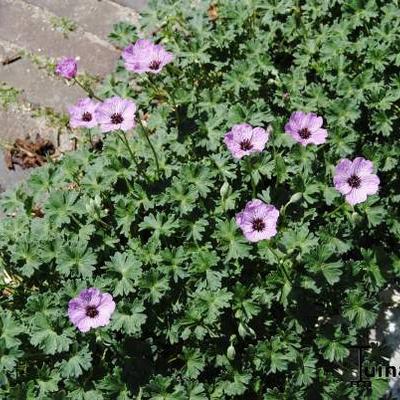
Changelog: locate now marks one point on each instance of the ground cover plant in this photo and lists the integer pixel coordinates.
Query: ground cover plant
(229, 235)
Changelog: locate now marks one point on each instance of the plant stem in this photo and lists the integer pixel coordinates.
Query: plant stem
(124, 140)
(170, 96)
(151, 146)
(75, 220)
(280, 266)
(335, 210)
(90, 137)
(249, 168)
(88, 90)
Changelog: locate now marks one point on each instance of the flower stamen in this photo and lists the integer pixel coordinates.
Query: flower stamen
(155, 64)
(305, 133)
(91, 311)
(246, 145)
(354, 181)
(258, 224)
(86, 116)
(116, 119)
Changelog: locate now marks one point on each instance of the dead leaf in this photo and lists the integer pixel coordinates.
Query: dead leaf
(213, 12)
(29, 154)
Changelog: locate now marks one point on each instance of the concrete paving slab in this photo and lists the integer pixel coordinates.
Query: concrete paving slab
(137, 5)
(29, 27)
(97, 17)
(37, 87)
(10, 178)
(19, 123)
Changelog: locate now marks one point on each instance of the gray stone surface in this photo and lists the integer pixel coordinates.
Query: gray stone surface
(19, 123)
(97, 17)
(6, 52)
(30, 28)
(137, 5)
(37, 87)
(10, 178)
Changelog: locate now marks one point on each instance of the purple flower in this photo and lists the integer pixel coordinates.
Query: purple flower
(91, 309)
(116, 113)
(305, 128)
(258, 220)
(83, 114)
(67, 68)
(145, 56)
(355, 179)
(243, 140)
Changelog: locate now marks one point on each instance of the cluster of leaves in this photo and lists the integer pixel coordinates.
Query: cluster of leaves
(202, 313)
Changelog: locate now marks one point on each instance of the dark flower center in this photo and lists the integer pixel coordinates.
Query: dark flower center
(116, 118)
(354, 181)
(304, 133)
(155, 64)
(246, 145)
(86, 116)
(91, 311)
(258, 224)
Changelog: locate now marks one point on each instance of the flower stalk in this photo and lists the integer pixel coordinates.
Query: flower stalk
(146, 135)
(87, 89)
(124, 140)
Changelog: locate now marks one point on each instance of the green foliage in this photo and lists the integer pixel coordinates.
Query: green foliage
(201, 312)
(8, 95)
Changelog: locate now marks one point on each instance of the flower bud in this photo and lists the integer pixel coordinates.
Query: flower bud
(67, 68)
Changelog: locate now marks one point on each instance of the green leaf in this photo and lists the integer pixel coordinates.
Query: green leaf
(46, 338)
(195, 362)
(9, 329)
(129, 319)
(76, 257)
(76, 364)
(128, 271)
(231, 240)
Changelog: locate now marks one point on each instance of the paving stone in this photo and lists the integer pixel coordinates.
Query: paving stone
(137, 5)
(97, 17)
(10, 178)
(29, 27)
(7, 53)
(18, 122)
(38, 88)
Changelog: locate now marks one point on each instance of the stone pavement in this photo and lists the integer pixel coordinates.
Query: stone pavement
(47, 29)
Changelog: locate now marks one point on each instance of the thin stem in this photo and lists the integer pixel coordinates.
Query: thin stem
(170, 96)
(75, 220)
(253, 185)
(151, 146)
(335, 210)
(280, 266)
(103, 223)
(154, 86)
(175, 107)
(88, 90)
(285, 273)
(249, 169)
(126, 143)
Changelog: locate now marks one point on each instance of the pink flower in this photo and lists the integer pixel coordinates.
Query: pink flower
(116, 113)
(67, 67)
(91, 309)
(83, 114)
(243, 140)
(355, 179)
(258, 220)
(145, 56)
(305, 128)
